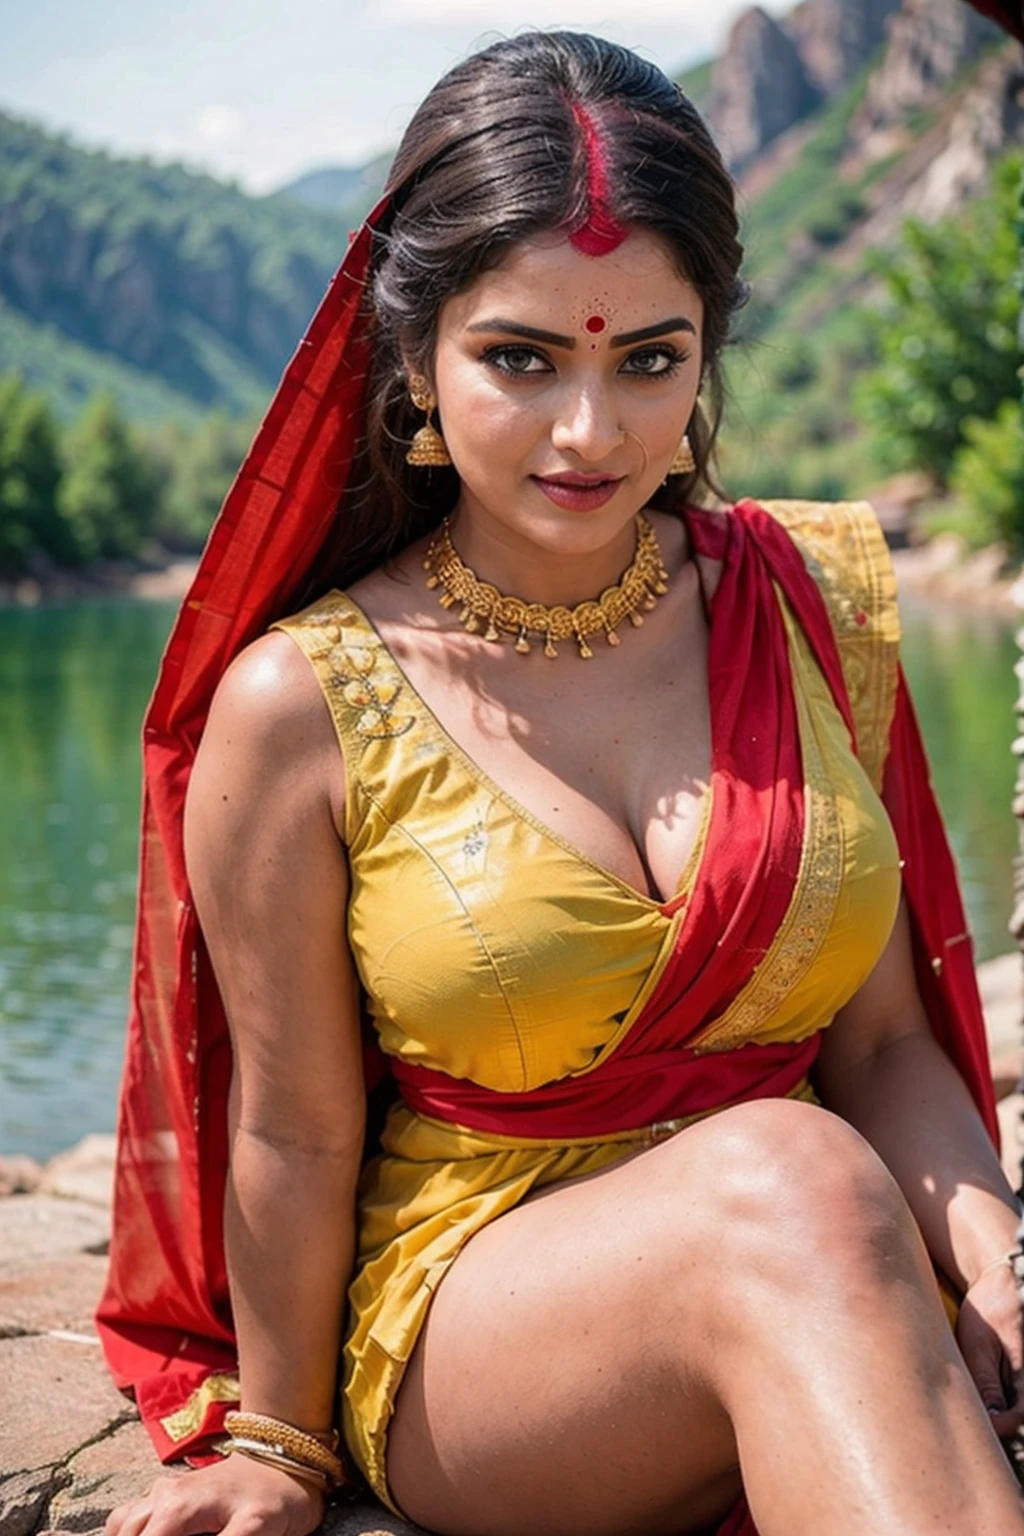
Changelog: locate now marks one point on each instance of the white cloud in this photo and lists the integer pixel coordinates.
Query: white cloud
(685, 16)
(219, 125)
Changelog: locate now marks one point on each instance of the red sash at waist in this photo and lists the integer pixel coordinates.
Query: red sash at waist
(624, 1094)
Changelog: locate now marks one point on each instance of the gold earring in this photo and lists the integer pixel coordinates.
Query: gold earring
(427, 449)
(684, 462)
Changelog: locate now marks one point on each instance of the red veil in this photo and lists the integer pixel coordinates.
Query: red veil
(165, 1317)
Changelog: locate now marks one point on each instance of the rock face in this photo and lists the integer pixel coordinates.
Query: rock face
(773, 73)
(989, 122)
(835, 38)
(930, 41)
(759, 88)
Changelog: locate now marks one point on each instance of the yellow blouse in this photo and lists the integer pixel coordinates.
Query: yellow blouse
(491, 949)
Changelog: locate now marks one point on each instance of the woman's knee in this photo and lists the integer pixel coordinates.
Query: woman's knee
(794, 1192)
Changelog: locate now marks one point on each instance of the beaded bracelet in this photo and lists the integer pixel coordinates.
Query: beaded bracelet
(285, 1440)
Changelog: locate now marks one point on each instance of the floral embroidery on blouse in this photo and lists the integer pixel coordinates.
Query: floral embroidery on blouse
(357, 676)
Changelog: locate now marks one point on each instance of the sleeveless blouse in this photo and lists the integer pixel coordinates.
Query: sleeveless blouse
(490, 949)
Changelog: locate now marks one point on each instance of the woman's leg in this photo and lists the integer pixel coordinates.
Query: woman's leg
(751, 1294)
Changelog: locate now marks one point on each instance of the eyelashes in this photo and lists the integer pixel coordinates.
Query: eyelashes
(517, 361)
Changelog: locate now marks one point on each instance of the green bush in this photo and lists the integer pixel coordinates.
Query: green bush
(100, 489)
(947, 332)
(988, 476)
(197, 467)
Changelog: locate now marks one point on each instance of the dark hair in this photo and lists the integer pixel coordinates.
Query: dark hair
(496, 153)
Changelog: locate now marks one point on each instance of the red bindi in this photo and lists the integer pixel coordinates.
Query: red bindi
(595, 324)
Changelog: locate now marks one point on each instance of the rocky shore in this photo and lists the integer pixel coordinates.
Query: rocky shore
(71, 1447)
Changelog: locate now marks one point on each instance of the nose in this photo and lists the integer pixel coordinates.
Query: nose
(586, 423)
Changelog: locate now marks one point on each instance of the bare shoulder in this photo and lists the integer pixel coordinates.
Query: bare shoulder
(269, 726)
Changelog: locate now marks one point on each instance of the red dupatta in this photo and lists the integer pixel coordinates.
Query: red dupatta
(165, 1316)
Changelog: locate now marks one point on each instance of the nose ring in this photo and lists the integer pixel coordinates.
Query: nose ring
(642, 446)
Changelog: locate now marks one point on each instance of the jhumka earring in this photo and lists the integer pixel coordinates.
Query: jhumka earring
(684, 462)
(427, 449)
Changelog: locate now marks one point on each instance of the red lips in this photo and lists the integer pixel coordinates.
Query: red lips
(576, 492)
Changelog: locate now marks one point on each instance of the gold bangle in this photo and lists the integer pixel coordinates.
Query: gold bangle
(286, 1440)
(257, 1452)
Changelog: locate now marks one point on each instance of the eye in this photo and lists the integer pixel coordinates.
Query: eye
(654, 362)
(517, 361)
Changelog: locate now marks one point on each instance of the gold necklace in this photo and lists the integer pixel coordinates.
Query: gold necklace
(639, 587)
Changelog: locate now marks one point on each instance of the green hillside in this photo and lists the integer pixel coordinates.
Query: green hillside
(696, 82)
(793, 427)
(177, 294)
(174, 290)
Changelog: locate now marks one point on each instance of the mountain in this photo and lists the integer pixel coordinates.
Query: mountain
(174, 289)
(775, 72)
(349, 191)
(179, 292)
(915, 133)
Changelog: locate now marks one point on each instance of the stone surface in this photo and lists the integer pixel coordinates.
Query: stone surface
(24, 1497)
(111, 1471)
(19, 1175)
(1011, 1109)
(1006, 1072)
(55, 1397)
(1001, 983)
(122, 1466)
(59, 1293)
(38, 1227)
(367, 1519)
(84, 1172)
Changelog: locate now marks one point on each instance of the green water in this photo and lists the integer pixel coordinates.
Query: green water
(73, 685)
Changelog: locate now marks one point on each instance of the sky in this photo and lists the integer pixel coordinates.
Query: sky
(260, 91)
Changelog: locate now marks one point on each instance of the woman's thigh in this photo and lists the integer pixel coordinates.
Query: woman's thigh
(570, 1375)
(552, 1388)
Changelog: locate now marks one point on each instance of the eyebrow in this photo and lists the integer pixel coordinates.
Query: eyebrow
(553, 339)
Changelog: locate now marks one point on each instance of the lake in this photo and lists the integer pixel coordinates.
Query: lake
(74, 681)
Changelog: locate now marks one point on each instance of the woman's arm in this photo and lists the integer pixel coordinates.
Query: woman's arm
(269, 875)
(270, 881)
(882, 1070)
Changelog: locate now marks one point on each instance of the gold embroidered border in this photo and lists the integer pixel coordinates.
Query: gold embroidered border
(190, 1417)
(361, 684)
(812, 906)
(845, 551)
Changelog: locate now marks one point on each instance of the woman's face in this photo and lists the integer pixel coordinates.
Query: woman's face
(564, 385)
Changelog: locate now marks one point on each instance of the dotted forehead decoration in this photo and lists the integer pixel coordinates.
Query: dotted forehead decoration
(598, 232)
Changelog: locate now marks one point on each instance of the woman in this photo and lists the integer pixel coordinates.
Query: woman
(644, 1234)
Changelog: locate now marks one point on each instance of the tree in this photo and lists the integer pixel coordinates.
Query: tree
(198, 467)
(988, 475)
(110, 494)
(30, 473)
(947, 330)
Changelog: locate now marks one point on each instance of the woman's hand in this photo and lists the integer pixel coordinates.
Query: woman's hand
(237, 1496)
(989, 1333)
